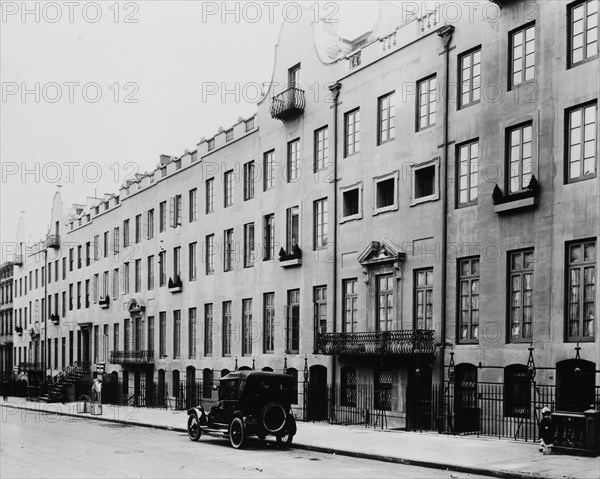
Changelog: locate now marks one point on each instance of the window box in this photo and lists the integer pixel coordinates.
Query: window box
(175, 286)
(19, 330)
(528, 198)
(104, 302)
(292, 259)
(34, 334)
(55, 318)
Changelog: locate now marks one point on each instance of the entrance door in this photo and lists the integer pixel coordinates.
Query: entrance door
(419, 412)
(465, 399)
(138, 400)
(317, 394)
(85, 348)
(161, 390)
(575, 385)
(190, 387)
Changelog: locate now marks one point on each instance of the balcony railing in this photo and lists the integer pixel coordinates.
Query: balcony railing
(132, 357)
(104, 302)
(577, 432)
(55, 318)
(377, 343)
(53, 241)
(175, 285)
(29, 366)
(288, 104)
(527, 198)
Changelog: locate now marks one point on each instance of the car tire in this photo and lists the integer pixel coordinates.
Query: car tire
(237, 433)
(194, 429)
(285, 440)
(274, 417)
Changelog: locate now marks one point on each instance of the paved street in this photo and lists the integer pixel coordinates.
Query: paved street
(59, 446)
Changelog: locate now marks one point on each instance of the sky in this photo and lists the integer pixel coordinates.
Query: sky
(94, 91)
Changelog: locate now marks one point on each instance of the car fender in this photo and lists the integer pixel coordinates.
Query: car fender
(200, 414)
(290, 426)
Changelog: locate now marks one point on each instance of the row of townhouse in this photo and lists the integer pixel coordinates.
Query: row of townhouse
(414, 214)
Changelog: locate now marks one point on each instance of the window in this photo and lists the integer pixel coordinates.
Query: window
(269, 170)
(249, 179)
(210, 195)
(426, 105)
(116, 238)
(175, 211)
(294, 77)
(125, 233)
(385, 302)
(192, 333)
(151, 334)
(176, 334)
(269, 237)
(293, 231)
(211, 144)
(105, 285)
(348, 387)
(210, 254)
(207, 383)
(138, 228)
(228, 188)
(425, 183)
(227, 328)
(517, 391)
(162, 268)
(116, 338)
(269, 323)
(468, 285)
(246, 327)
(293, 322)
(176, 263)
(78, 295)
(95, 288)
(351, 202)
(162, 216)
(581, 142)
(105, 250)
(138, 275)
(96, 252)
(583, 32)
(581, 294)
(383, 390)
(423, 299)
(350, 305)
(320, 224)
(321, 151)
(228, 250)
(469, 78)
(70, 263)
(79, 262)
(150, 272)
(468, 170)
(249, 124)
(386, 112)
(385, 193)
(320, 308)
(520, 157)
(229, 135)
(208, 329)
(126, 278)
(162, 334)
(150, 224)
(249, 245)
(115, 288)
(193, 199)
(521, 294)
(522, 55)
(193, 261)
(293, 160)
(88, 257)
(351, 132)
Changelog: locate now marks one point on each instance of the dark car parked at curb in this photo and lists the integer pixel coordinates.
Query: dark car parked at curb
(251, 403)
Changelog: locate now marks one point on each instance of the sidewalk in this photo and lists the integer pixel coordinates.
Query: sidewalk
(488, 456)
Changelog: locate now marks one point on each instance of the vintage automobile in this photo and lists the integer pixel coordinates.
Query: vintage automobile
(251, 403)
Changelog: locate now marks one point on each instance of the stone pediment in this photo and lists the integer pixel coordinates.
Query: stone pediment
(379, 252)
(135, 305)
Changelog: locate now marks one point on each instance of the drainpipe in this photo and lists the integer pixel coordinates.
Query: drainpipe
(445, 33)
(335, 93)
(44, 347)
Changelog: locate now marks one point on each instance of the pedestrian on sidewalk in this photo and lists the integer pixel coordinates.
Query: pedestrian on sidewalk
(546, 431)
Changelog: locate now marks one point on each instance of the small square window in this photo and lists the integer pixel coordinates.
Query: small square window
(351, 202)
(425, 182)
(385, 193)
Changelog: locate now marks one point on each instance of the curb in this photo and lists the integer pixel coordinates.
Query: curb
(308, 447)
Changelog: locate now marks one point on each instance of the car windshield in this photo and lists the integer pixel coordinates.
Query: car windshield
(228, 389)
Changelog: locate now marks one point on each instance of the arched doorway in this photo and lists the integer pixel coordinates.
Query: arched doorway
(268, 369)
(419, 413)
(224, 372)
(161, 388)
(317, 393)
(190, 387)
(466, 411)
(575, 385)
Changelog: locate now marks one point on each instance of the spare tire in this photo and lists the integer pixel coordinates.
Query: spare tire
(274, 417)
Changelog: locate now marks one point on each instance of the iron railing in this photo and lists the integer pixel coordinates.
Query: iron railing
(376, 343)
(132, 357)
(53, 241)
(288, 103)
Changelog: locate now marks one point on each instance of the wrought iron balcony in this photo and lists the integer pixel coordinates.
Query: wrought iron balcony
(377, 343)
(29, 366)
(53, 241)
(288, 103)
(132, 357)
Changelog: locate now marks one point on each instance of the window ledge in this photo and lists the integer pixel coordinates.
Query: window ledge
(523, 203)
(345, 219)
(289, 263)
(385, 209)
(424, 199)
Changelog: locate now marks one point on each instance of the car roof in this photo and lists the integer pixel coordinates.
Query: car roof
(256, 374)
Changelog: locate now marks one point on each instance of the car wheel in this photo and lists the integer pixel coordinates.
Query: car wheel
(285, 440)
(194, 430)
(274, 417)
(237, 434)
